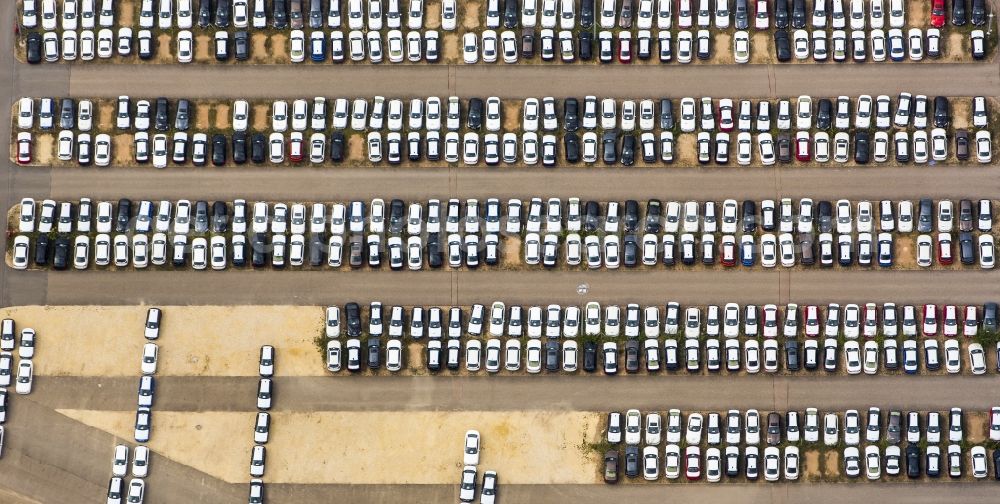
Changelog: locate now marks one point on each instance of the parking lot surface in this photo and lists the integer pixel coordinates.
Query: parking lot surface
(51, 457)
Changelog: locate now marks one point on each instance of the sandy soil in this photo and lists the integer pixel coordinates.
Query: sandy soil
(279, 48)
(976, 426)
(525, 447)
(810, 465)
(259, 50)
(916, 13)
(686, 149)
(831, 464)
(954, 47)
(204, 47)
(961, 113)
(126, 13)
(470, 14)
(722, 45)
(214, 341)
(222, 116)
(432, 16)
(356, 149)
(512, 251)
(761, 47)
(121, 153)
(906, 255)
(201, 119)
(511, 116)
(105, 119)
(45, 145)
(451, 50)
(261, 114)
(164, 51)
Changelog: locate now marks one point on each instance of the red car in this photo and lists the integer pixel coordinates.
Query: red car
(930, 320)
(726, 122)
(728, 252)
(24, 147)
(937, 13)
(624, 47)
(944, 249)
(296, 149)
(802, 146)
(692, 462)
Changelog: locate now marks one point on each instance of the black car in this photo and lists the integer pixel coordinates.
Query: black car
(60, 258)
(824, 113)
(632, 356)
(220, 217)
(824, 216)
(631, 461)
(357, 250)
(666, 114)
(958, 12)
(571, 142)
(571, 114)
(962, 145)
(586, 43)
(792, 355)
(42, 250)
(337, 144)
(528, 42)
(259, 253)
(223, 8)
(510, 13)
(861, 147)
(434, 257)
(397, 210)
(741, 14)
(589, 356)
(631, 218)
(586, 13)
(609, 146)
(373, 353)
(205, 13)
(913, 461)
(591, 216)
(182, 118)
(798, 14)
(352, 315)
(630, 251)
(474, 119)
(124, 217)
(628, 150)
(990, 320)
(782, 46)
(552, 356)
(67, 113)
(979, 19)
(996, 464)
(611, 466)
(162, 118)
(33, 48)
(942, 115)
(240, 147)
(258, 148)
(784, 148)
(200, 216)
(279, 16)
(654, 209)
(966, 248)
(241, 46)
(781, 14)
(749, 216)
(315, 13)
(925, 216)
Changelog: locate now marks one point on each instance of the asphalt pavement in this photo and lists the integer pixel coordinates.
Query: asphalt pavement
(51, 459)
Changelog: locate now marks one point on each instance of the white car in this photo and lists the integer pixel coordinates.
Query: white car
(25, 376)
(741, 47)
(185, 46)
(470, 48)
(149, 358)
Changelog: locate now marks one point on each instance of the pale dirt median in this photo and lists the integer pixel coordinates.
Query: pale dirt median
(541, 447)
(194, 340)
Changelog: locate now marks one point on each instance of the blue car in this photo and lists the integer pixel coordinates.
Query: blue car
(748, 251)
(897, 45)
(317, 46)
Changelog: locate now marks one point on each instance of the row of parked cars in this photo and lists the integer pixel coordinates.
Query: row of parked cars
(731, 443)
(470, 460)
(702, 347)
(666, 236)
(262, 424)
(724, 131)
(869, 321)
(653, 356)
(135, 489)
(877, 45)
(23, 375)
